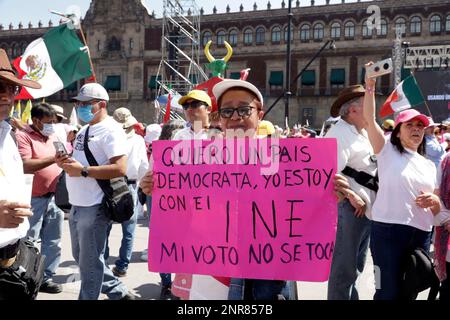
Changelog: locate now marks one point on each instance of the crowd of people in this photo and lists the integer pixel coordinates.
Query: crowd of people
(392, 186)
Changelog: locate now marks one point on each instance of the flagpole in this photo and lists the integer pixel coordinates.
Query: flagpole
(88, 52)
(83, 38)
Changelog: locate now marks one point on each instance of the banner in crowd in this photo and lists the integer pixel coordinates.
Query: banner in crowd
(245, 208)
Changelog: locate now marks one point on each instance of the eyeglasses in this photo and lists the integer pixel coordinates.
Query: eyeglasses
(5, 88)
(243, 112)
(193, 104)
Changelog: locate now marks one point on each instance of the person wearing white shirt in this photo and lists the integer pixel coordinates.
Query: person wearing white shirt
(13, 212)
(137, 166)
(407, 199)
(88, 222)
(354, 153)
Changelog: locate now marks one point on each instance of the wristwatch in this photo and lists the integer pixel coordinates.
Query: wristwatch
(84, 172)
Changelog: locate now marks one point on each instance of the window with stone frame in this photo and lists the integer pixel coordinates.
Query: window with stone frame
(349, 30)
(415, 25)
(318, 31)
(400, 23)
(447, 23)
(366, 31)
(382, 32)
(336, 30)
(206, 37)
(435, 24)
(221, 35)
(248, 36)
(305, 33)
(276, 34)
(260, 35)
(286, 34)
(233, 37)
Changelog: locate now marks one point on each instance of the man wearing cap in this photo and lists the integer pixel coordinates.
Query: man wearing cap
(197, 107)
(35, 144)
(137, 166)
(88, 223)
(434, 151)
(60, 130)
(13, 213)
(355, 158)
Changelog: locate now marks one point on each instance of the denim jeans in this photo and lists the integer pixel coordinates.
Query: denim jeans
(349, 255)
(46, 223)
(389, 245)
(253, 289)
(128, 231)
(148, 201)
(88, 227)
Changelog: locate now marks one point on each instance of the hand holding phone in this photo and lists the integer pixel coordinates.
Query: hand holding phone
(60, 148)
(379, 68)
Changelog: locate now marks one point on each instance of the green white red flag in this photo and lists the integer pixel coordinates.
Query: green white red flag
(405, 96)
(56, 60)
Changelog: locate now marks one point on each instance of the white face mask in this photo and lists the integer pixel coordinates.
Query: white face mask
(48, 130)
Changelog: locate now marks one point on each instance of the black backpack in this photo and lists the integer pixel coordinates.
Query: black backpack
(418, 274)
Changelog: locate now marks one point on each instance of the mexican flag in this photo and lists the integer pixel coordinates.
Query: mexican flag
(405, 96)
(56, 60)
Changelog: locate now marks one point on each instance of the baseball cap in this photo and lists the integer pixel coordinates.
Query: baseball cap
(410, 114)
(59, 111)
(196, 95)
(220, 88)
(432, 123)
(152, 132)
(265, 128)
(124, 117)
(91, 91)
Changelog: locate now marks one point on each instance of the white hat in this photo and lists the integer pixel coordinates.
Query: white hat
(124, 117)
(152, 132)
(59, 111)
(91, 91)
(226, 84)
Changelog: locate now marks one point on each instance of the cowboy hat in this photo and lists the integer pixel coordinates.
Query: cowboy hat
(7, 73)
(346, 95)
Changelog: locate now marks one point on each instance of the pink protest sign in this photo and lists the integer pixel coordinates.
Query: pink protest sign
(261, 209)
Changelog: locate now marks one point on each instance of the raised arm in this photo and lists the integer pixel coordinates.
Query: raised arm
(376, 135)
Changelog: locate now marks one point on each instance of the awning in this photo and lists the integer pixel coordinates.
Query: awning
(276, 78)
(337, 76)
(152, 84)
(113, 83)
(235, 75)
(309, 78)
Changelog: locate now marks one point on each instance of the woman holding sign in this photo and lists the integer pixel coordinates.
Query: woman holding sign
(406, 200)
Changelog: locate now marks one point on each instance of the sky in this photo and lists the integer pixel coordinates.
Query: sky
(26, 11)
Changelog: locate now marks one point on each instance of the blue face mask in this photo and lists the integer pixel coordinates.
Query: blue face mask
(85, 113)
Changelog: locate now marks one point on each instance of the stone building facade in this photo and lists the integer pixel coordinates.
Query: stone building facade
(125, 44)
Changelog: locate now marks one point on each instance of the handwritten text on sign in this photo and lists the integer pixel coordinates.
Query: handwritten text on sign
(214, 212)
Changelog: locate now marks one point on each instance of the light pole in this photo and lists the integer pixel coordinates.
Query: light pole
(287, 90)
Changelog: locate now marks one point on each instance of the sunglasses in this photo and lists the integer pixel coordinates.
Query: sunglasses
(5, 88)
(243, 112)
(193, 104)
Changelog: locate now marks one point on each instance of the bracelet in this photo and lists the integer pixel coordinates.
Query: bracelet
(370, 90)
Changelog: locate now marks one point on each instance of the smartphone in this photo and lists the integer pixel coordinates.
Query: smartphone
(60, 148)
(380, 68)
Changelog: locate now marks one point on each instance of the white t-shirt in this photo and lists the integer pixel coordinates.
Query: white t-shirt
(354, 150)
(137, 164)
(106, 140)
(11, 182)
(402, 178)
(189, 134)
